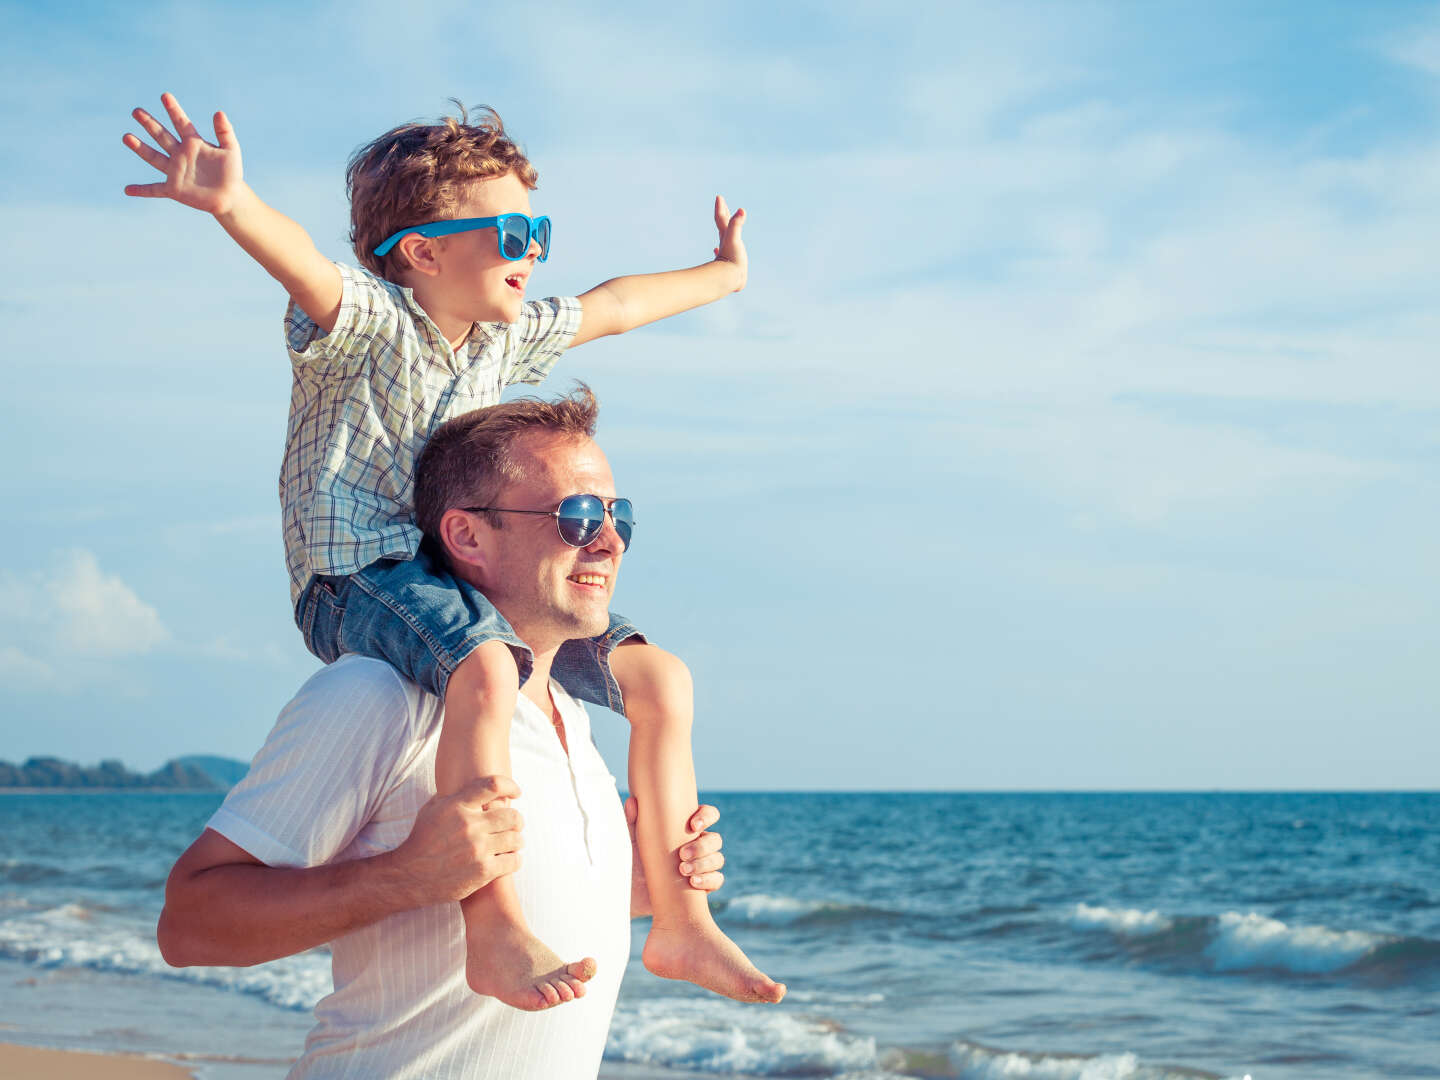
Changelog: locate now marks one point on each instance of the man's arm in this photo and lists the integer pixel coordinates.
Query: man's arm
(225, 907)
(624, 303)
(209, 177)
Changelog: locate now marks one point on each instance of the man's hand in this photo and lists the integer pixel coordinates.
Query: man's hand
(462, 842)
(732, 248)
(700, 859)
(207, 176)
(224, 906)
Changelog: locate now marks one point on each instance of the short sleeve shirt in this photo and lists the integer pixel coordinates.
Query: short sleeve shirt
(365, 398)
(342, 775)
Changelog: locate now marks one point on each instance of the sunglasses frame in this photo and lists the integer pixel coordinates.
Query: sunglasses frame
(607, 505)
(458, 225)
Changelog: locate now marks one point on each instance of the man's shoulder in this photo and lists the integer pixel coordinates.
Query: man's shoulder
(365, 691)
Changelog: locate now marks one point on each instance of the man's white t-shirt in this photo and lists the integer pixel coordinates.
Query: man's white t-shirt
(348, 765)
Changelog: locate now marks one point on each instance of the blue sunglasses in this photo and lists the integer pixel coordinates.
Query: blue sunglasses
(580, 518)
(513, 232)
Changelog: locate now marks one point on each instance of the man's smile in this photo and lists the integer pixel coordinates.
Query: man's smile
(590, 579)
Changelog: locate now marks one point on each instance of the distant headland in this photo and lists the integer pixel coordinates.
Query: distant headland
(197, 772)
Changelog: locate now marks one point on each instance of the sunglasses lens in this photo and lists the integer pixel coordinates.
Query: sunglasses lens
(514, 237)
(624, 515)
(542, 237)
(581, 519)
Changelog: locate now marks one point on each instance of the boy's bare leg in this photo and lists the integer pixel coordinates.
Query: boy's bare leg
(503, 959)
(684, 942)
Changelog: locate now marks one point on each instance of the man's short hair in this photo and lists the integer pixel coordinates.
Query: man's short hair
(418, 173)
(470, 459)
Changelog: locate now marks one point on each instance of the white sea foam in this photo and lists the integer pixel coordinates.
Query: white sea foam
(975, 1062)
(1127, 922)
(777, 910)
(73, 935)
(827, 997)
(1251, 941)
(718, 1037)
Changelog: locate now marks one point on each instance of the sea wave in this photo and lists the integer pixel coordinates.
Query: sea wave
(719, 1037)
(762, 909)
(1253, 942)
(971, 1061)
(77, 935)
(1127, 922)
(1236, 941)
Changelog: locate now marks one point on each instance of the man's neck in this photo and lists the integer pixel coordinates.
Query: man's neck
(537, 689)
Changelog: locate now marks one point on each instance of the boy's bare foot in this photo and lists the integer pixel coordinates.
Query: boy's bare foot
(522, 971)
(703, 955)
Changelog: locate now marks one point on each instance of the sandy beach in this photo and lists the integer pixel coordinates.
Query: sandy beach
(33, 1063)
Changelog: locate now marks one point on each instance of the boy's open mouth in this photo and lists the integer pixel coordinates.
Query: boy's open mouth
(516, 282)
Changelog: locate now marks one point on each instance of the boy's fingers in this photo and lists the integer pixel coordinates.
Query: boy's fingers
(182, 123)
(224, 132)
(146, 153)
(146, 191)
(722, 213)
(157, 131)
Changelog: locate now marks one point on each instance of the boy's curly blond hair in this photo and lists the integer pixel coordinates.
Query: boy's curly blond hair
(417, 173)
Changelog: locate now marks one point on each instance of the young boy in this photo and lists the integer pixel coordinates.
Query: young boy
(436, 325)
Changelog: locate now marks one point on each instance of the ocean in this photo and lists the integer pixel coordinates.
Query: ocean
(973, 936)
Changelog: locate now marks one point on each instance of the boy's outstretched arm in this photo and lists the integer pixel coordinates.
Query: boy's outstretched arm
(208, 177)
(624, 303)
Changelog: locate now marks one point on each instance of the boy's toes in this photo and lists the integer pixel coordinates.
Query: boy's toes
(584, 970)
(768, 990)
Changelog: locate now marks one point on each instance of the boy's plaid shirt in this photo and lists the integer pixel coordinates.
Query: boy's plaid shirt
(365, 398)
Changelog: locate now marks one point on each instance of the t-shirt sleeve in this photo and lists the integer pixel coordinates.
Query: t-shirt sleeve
(325, 766)
(534, 342)
(369, 312)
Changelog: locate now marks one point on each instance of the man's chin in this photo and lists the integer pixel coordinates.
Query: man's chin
(588, 624)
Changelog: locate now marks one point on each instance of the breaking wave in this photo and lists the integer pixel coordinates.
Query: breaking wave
(760, 909)
(82, 936)
(1250, 942)
(719, 1037)
(975, 1062)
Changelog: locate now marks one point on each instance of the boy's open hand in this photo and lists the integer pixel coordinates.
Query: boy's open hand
(204, 175)
(732, 248)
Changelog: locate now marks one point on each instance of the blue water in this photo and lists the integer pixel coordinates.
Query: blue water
(1085, 936)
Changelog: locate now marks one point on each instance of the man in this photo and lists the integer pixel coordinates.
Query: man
(336, 834)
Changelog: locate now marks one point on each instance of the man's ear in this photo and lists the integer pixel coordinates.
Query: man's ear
(422, 253)
(466, 539)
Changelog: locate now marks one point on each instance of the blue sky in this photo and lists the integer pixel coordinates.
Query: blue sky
(1077, 428)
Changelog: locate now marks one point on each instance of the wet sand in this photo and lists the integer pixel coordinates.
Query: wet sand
(32, 1063)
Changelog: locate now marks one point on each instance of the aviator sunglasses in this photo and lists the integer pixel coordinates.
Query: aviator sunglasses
(513, 232)
(580, 518)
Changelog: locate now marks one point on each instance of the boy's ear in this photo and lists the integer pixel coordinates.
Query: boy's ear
(467, 539)
(422, 253)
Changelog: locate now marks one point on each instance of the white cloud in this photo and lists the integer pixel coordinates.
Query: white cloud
(1418, 46)
(18, 668)
(72, 612)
